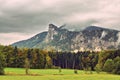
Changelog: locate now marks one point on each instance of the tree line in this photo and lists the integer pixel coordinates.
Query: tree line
(107, 60)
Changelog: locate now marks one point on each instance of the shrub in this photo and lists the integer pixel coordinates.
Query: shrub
(97, 68)
(109, 65)
(75, 71)
(116, 65)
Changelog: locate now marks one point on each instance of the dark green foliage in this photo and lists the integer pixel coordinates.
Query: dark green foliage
(108, 61)
(109, 65)
(116, 65)
(75, 71)
(37, 60)
(27, 66)
(2, 60)
(1, 64)
(97, 68)
(15, 57)
(60, 70)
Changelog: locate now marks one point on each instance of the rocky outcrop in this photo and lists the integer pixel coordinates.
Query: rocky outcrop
(51, 32)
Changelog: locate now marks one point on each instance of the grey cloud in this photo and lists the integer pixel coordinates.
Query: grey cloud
(31, 16)
(26, 22)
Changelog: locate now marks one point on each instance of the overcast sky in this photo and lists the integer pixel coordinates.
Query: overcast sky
(21, 19)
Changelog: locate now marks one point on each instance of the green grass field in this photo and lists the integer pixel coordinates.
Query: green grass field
(53, 74)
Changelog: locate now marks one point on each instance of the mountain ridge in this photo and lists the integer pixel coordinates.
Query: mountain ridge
(61, 39)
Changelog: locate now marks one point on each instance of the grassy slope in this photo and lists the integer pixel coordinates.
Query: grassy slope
(52, 74)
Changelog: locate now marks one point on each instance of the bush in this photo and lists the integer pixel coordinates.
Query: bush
(75, 71)
(109, 65)
(116, 65)
(97, 68)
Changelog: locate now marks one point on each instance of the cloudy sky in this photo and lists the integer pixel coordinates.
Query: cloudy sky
(21, 19)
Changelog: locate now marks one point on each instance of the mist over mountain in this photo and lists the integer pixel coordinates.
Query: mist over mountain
(61, 39)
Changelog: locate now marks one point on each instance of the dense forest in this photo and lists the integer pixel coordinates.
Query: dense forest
(107, 60)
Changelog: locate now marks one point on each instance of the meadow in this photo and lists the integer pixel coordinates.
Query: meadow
(53, 74)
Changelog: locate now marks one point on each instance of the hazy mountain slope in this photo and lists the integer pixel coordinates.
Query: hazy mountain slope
(29, 43)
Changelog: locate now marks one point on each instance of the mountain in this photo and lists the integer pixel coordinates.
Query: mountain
(61, 39)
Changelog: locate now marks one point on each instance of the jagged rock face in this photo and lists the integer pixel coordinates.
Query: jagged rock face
(91, 38)
(51, 32)
(59, 38)
(95, 37)
(118, 35)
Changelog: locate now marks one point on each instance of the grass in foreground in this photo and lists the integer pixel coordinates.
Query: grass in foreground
(53, 74)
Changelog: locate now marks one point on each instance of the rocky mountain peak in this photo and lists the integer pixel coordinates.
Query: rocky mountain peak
(51, 32)
(59, 38)
(97, 28)
(52, 27)
(93, 28)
